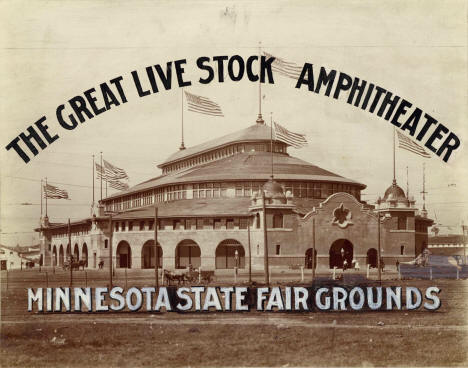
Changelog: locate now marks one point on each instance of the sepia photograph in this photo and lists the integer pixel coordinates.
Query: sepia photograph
(233, 184)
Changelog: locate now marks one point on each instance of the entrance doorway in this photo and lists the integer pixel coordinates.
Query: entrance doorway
(372, 257)
(188, 253)
(310, 261)
(84, 254)
(226, 254)
(148, 255)
(341, 250)
(124, 255)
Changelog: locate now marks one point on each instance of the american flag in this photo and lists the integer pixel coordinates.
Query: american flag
(116, 172)
(295, 140)
(283, 67)
(108, 174)
(202, 105)
(117, 185)
(51, 191)
(407, 144)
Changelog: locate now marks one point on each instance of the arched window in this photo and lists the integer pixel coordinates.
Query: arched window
(277, 221)
(402, 250)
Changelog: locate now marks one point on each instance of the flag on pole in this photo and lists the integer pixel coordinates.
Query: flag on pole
(295, 140)
(407, 144)
(114, 171)
(108, 174)
(116, 184)
(202, 105)
(283, 67)
(51, 191)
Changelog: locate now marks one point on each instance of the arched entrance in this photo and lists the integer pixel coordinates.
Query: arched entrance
(188, 253)
(61, 255)
(148, 255)
(341, 250)
(226, 254)
(76, 253)
(84, 254)
(309, 259)
(372, 257)
(54, 256)
(124, 255)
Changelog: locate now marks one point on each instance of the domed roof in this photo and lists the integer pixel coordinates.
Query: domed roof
(395, 193)
(273, 189)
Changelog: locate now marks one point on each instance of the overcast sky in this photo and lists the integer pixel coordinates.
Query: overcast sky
(52, 51)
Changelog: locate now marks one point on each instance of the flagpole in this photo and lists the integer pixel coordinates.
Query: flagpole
(407, 183)
(93, 182)
(424, 187)
(46, 198)
(259, 119)
(182, 145)
(271, 142)
(102, 173)
(41, 202)
(394, 175)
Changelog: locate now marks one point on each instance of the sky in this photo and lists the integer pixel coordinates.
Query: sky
(52, 51)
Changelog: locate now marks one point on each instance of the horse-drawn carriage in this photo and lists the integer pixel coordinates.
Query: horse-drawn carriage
(191, 276)
(74, 265)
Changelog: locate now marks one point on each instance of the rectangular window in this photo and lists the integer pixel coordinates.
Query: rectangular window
(296, 190)
(199, 224)
(239, 190)
(142, 225)
(217, 224)
(151, 225)
(229, 223)
(176, 225)
(243, 223)
(216, 190)
(122, 226)
(130, 226)
(278, 249)
(317, 190)
(402, 250)
(224, 189)
(401, 222)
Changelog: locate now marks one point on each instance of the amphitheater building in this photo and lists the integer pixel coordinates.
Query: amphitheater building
(210, 214)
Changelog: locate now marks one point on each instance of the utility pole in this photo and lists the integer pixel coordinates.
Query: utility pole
(250, 250)
(313, 250)
(156, 254)
(70, 260)
(378, 249)
(111, 230)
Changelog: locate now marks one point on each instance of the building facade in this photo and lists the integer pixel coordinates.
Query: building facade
(211, 211)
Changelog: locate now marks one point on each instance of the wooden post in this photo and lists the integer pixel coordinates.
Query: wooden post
(156, 254)
(70, 263)
(265, 242)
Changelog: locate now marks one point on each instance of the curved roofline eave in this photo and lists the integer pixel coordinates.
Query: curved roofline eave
(166, 163)
(361, 185)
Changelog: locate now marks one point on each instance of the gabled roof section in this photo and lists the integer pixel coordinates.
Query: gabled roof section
(257, 132)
